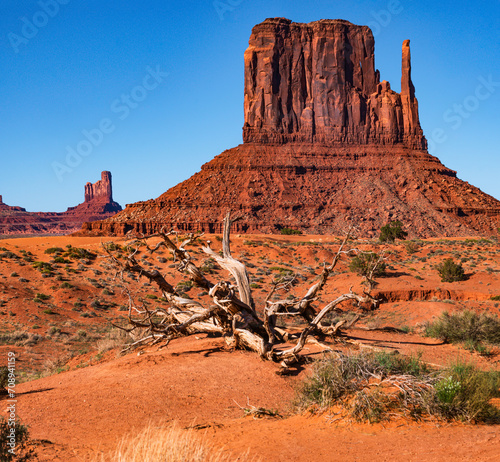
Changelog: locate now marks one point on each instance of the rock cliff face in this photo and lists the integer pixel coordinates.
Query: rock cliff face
(98, 200)
(98, 205)
(325, 143)
(100, 191)
(317, 83)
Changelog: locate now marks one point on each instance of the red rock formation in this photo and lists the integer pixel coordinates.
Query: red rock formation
(98, 200)
(317, 83)
(8, 208)
(98, 205)
(100, 191)
(326, 143)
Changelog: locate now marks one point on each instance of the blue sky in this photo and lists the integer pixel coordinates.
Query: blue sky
(152, 90)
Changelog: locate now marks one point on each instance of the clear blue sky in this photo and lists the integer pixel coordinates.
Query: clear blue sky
(85, 65)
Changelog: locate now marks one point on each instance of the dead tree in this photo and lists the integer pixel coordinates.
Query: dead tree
(233, 314)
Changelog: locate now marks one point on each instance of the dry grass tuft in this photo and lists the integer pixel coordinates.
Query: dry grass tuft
(172, 444)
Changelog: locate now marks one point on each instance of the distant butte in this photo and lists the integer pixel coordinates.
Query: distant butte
(325, 143)
(98, 204)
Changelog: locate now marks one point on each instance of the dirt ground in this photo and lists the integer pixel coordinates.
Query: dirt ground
(88, 397)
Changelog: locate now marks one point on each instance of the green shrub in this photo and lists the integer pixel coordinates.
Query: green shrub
(466, 326)
(41, 297)
(184, 286)
(392, 231)
(460, 392)
(363, 264)
(43, 267)
(52, 250)
(290, 231)
(464, 393)
(450, 271)
(339, 376)
(22, 453)
(76, 253)
(61, 260)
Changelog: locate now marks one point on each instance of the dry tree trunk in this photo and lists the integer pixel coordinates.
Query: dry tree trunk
(233, 314)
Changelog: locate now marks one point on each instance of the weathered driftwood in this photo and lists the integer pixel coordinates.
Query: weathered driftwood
(233, 313)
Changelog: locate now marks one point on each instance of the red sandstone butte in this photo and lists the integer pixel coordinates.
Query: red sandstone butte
(98, 205)
(326, 143)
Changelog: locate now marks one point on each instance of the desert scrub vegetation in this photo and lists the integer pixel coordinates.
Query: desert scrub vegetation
(290, 231)
(169, 444)
(23, 452)
(411, 247)
(43, 267)
(450, 271)
(368, 264)
(376, 386)
(471, 329)
(392, 231)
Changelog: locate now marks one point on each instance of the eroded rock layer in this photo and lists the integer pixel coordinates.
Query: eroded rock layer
(326, 144)
(317, 189)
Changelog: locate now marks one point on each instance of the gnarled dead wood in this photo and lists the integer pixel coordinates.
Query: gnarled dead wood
(233, 313)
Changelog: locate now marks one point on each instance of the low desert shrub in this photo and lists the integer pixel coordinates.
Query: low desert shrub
(290, 231)
(339, 376)
(22, 452)
(363, 264)
(373, 386)
(466, 326)
(55, 250)
(411, 247)
(450, 271)
(464, 393)
(392, 231)
(41, 298)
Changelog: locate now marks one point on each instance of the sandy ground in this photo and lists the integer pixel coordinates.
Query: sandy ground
(86, 410)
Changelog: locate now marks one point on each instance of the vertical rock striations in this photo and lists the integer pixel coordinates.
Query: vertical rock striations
(100, 191)
(317, 83)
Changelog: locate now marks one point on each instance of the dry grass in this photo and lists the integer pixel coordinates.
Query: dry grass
(172, 444)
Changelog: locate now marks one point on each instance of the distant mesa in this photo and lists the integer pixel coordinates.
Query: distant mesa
(8, 208)
(98, 204)
(326, 143)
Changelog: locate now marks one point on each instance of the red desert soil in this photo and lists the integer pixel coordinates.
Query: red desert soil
(84, 411)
